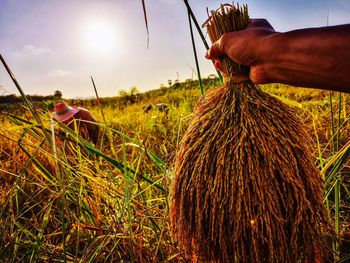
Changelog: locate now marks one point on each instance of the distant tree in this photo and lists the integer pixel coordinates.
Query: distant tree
(170, 82)
(123, 93)
(134, 91)
(57, 95)
(36, 97)
(161, 86)
(9, 99)
(129, 96)
(212, 79)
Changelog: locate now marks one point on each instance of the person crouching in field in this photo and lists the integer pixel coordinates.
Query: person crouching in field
(67, 114)
(162, 107)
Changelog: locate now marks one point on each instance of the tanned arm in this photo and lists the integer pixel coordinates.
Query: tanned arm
(312, 57)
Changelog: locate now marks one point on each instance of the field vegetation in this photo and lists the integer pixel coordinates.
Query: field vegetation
(65, 199)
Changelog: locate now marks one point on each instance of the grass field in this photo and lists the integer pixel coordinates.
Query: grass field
(77, 202)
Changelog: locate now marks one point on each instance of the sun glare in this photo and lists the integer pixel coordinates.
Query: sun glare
(100, 36)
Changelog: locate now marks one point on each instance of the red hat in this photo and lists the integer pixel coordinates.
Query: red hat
(63, 112)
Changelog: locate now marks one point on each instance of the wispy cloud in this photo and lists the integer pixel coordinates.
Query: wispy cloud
(4, 91)
(168, 1)
(32, 51)
(58, 73)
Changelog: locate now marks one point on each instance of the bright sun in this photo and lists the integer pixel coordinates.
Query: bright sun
(100, 36)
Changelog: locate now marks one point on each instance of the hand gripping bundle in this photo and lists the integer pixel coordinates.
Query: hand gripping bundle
(246, 188)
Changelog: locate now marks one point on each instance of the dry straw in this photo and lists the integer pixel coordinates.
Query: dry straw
(246, 188)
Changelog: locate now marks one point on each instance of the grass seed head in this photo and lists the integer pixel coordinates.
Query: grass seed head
(246, 187)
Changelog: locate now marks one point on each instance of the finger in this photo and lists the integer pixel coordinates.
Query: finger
(258, 75)
(216, 50)
(217, 65)
(260, 22)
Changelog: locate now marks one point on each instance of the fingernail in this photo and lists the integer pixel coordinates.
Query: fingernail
(207, 54)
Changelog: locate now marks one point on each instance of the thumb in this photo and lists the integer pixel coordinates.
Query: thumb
(215, 51)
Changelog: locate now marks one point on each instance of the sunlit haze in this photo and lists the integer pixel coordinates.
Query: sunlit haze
(57, 45)
(100, 36)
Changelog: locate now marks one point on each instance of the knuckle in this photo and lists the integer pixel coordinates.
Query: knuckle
(224, 42)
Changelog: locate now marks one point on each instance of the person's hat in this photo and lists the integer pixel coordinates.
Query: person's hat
(63, 112)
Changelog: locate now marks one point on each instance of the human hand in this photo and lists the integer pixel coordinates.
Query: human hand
(245, 47)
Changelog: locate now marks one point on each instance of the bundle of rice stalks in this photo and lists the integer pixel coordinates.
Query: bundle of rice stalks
(246, 188)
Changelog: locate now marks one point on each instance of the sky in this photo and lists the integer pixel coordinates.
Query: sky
(58, 44)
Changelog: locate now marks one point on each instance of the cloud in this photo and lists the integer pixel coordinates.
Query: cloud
(4, 91)
(168, 1)
(58, 73)
(32, 51)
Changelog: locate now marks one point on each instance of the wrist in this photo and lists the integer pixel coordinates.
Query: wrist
(265, 57)
(271, 52)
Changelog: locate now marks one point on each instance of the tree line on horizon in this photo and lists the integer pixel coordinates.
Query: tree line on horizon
(12, 98)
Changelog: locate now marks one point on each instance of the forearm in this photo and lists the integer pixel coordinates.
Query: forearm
(314, 57)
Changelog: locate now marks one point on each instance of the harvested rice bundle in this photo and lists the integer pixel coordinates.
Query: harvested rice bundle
(245, 187)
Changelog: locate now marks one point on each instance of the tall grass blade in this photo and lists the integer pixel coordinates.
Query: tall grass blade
(189, 10)
(41, 231)
(47, 174)
(104, 118)
(323, 174)
(337, 197)
(90, 148)
(195, 56)
(335, 173)
(339, 155)
(338, 122)
(27, 101)
(332, 122)
(146, 20)
(127, 200)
